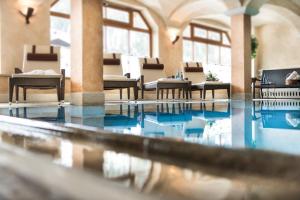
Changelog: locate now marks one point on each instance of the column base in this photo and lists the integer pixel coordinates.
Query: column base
(87, 99)
(242, 96)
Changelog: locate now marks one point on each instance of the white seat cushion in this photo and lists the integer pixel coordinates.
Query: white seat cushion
(166, 80)
(116, 78)
(35, 76)
(210, 83)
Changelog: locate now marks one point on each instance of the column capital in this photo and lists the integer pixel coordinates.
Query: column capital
(242, 11)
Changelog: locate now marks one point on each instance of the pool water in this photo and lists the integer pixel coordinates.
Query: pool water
(264, 125)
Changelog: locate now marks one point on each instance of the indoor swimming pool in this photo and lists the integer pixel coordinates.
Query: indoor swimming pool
(267, 125)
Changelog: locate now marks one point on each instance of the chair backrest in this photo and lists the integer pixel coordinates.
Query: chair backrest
(112, 64)
(41, 57)
(194, 72)
(277, 76)
(152, 69)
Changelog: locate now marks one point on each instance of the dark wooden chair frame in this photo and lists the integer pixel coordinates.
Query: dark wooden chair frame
(159, 87)
(204, 87)
(113, 85)
(277, 78)
(36, 83)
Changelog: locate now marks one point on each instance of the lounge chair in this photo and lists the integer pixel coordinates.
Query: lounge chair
(41, 70)
(153, 78)
(193, 71)
(114, 77)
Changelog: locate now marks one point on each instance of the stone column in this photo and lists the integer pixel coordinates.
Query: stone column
(241, 56)
(86, 52)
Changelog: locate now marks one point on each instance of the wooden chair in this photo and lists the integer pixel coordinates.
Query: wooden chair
(154, 78)
(41, 70)
(114, 77)
(193, 71)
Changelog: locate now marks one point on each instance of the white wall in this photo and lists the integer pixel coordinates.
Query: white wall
(278, 46)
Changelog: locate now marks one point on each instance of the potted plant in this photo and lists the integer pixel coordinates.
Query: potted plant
(254, 47)
(211, 77)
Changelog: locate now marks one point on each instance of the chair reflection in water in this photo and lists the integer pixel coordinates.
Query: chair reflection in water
(122, 120)
(171, 120)
(56, 115)
(283, 115)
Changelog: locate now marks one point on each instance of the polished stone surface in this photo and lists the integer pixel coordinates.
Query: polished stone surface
(156, 168)
(87, 161)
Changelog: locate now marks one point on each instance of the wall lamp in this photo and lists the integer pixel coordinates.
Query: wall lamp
(27, 8)
(174, 34)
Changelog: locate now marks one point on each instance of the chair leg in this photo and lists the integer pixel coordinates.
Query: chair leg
(24, 94)
(201, 94)
(213, 94)
(121, 94)
(17, 94)
(228, 93)
(162, 94)
(58, 92)
(128, 93)
(143, 91)
(204, 93)
(157, 93)
(179, 93)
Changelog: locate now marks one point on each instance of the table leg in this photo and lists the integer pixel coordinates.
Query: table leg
(167, 93)
(128, 93)
(136, 94)
(11, 89)
(204, 93)
(162, 93)
(213, 93)
(157, 93)
(121, 94)
(17, 93)
(173, 93)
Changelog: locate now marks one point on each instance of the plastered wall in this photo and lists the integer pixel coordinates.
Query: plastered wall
(278, 46)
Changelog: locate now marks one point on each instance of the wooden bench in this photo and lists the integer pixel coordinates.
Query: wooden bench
(273, 84)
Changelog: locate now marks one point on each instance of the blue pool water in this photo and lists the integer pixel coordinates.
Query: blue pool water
(268, 125)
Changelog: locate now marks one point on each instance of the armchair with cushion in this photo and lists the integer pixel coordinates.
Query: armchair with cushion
(194, 72)
(114, 78)
(153, 78)
(41, 70)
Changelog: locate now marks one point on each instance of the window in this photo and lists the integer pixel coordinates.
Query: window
(211, 47)
(116, 15)
(126, 31)
(60, 31)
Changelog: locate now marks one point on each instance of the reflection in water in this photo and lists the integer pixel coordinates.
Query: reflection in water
(199, 123)
(267, 125)
(148, 176)
(275, 126)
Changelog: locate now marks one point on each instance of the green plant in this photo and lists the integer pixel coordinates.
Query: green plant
(211, 77)
(254, 47)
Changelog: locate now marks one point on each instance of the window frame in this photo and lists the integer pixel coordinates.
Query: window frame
(192, 37)
(196, 39)
(129, 26)
(58, 14)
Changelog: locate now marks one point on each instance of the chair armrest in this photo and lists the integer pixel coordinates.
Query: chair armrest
(254, 80)
(18, 71)
(127, 75)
